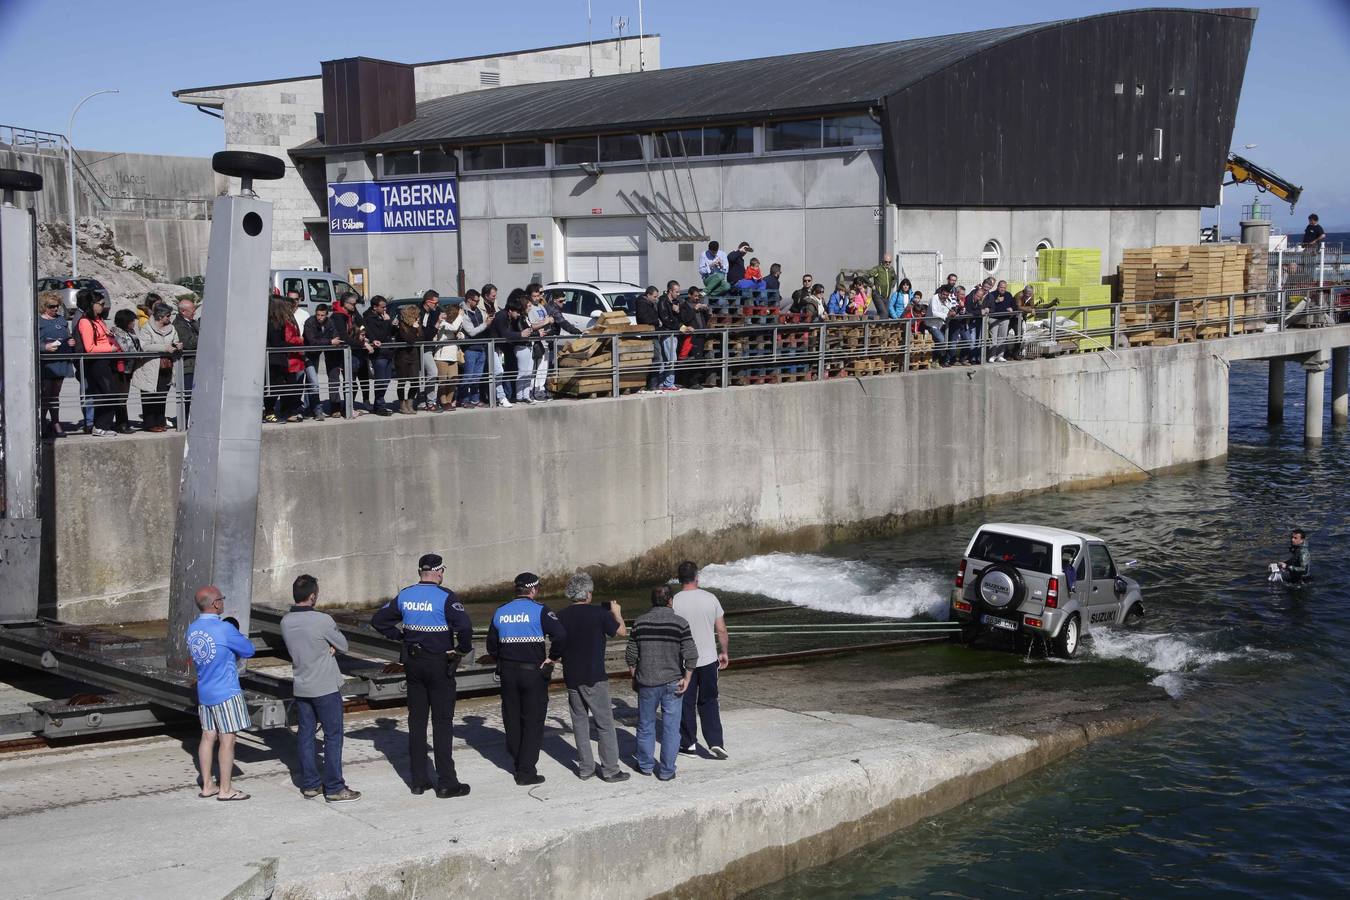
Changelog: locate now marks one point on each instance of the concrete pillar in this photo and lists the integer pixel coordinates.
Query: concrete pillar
(1275, 393)
(1315, 368)
(1340, 389)
(20, 525)
(1256, 231)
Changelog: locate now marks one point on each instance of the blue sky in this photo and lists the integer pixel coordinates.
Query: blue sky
(1293, 100)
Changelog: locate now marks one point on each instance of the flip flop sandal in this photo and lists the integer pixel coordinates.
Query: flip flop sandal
(235, 795)
(205, 796)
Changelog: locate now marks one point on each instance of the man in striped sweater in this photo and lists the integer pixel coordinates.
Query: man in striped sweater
(661, 655)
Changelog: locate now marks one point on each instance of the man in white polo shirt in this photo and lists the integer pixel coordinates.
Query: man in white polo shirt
(704, 615)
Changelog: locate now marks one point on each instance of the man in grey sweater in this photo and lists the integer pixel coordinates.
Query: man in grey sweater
(661, 655)
(312, 640)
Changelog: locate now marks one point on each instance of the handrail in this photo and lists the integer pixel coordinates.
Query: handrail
(780, 348)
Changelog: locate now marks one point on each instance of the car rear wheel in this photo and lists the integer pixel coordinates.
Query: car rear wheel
(1065, 644)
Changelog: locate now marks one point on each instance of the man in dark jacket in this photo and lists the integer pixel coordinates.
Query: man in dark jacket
(427, 318)
(694, 316)
(186, 324)
(348, 326)
(321, 331)
(380, 331)
(736, 263)
(647, 313)
(508, 328)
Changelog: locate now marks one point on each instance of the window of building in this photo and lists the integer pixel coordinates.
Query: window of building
(797, 135)
(523, 155)
(428, 161)
(992, 256)
(1044, 244)
(402, 162)
(570, 151)
(674, 144)
(489, 79)
(852, 131)
(517, 155)
(486, 156)
(620, 147)
(728, 140)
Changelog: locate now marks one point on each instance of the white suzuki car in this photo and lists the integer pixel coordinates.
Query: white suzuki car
(1029, 581)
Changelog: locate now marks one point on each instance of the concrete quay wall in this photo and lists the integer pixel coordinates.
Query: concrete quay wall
(631, 484)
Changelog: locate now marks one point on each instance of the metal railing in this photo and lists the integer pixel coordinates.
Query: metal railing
(766, 348)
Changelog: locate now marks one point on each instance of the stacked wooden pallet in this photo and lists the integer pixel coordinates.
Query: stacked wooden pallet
(586, 364)
(1159, 275)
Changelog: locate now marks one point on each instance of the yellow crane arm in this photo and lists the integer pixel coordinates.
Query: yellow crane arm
(1245, 171)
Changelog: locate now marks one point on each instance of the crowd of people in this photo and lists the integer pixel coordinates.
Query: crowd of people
(433, 356)
(673, 654)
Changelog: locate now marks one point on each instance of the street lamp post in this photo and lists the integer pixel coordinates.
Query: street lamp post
(70, 175)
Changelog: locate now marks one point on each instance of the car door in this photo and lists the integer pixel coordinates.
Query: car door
(1102, 601)
(573, 300)
(320, 291)
(1073, 563)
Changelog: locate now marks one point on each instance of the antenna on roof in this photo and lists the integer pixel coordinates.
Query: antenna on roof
(590, 51)
(619, 23)
(642, 36)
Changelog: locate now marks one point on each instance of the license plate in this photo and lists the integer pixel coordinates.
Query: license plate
(996, 622)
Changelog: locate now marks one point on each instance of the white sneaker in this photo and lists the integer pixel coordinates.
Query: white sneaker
(503, 403)
(103, 432)
(718, 752)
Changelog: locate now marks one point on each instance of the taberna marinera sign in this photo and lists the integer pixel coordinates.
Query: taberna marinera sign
(393, 207)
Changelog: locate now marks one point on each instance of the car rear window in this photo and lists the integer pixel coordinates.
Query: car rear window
(625, 302)
(1025, 553)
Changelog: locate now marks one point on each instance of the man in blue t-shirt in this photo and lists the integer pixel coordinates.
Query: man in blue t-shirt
(588, 628)
(215, 646)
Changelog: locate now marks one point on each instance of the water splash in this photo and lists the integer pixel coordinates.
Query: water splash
(833, 585)
(1177, 657)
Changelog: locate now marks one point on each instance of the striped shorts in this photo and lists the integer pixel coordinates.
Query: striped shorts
(225, 717)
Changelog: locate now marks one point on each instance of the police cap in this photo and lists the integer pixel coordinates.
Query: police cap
(526, 580)
(430, 561)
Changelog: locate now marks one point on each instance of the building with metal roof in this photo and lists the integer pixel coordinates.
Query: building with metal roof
(276, 115)
(964, 152)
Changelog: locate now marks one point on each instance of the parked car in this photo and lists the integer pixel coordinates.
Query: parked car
(1033, 582)
(584, 301)
(315, 287)
(69, 287)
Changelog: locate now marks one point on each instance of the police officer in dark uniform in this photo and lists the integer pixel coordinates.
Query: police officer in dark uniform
(436, 635)
(516, 639)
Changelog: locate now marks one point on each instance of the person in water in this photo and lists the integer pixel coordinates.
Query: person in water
(1298, 566)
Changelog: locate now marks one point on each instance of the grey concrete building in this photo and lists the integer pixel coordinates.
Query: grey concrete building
(975, 149)
(274, 116)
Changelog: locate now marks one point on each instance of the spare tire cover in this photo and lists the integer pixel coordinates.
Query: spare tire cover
(1000, 586)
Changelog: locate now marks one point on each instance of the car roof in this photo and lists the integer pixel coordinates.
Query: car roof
(618, 287)
(1039, 532)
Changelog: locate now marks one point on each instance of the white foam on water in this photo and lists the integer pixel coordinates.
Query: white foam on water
(1174, 656)
(833, 585)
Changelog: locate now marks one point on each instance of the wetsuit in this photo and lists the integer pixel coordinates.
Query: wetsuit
(1298, 567)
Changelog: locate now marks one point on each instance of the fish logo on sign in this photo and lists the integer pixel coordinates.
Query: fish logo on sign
(349, 199)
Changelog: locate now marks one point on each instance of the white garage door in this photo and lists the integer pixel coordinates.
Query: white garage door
(612, 248)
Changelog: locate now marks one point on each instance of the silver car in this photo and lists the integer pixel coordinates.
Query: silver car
(68, 288)
(1032, 582)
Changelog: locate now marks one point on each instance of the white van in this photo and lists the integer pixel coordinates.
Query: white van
(314, 287)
